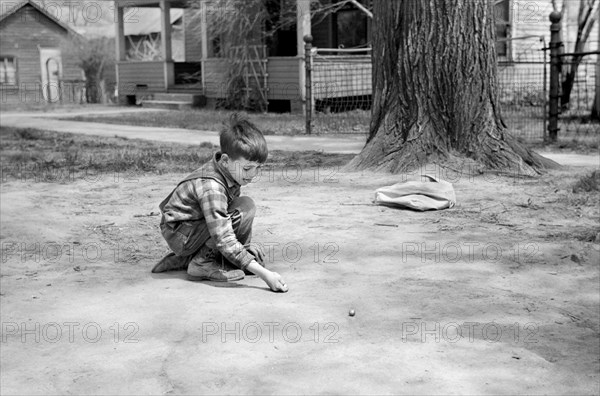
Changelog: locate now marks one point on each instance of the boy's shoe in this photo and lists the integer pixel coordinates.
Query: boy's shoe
(171, 262)
(204, 266)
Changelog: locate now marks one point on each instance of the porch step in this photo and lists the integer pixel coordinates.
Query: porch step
(175, 101)
(167, 104)
(172, 96)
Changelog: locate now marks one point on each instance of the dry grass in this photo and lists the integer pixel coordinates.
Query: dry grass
(53, 156)
(527, 125)
(355, 122)
(44, 107)
(588, 183)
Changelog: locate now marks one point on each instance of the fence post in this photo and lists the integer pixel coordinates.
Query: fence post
(308, 70)
(596, 104)
(545, 90)
(555, 61)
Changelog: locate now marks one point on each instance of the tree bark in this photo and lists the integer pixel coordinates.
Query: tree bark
(435, 90)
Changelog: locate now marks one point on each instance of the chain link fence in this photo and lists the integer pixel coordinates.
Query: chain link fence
(342, 92)
(575, 118)
(523, 88)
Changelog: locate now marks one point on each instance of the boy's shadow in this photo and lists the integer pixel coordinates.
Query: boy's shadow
(183, 276)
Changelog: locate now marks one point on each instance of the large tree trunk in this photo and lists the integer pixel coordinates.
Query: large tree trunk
(435, 90)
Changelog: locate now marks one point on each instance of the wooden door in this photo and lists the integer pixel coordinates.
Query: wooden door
(51, 69)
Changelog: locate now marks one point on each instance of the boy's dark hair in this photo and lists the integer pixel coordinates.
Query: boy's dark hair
(241, 138)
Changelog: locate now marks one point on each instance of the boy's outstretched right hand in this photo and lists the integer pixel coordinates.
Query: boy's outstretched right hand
(272, 279)
(275, 282)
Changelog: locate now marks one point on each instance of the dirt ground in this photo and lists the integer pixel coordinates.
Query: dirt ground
(499, 295)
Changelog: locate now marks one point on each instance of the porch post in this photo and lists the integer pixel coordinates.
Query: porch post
(120, 50)
(165, 29)
(120, 33)
(204, 38)
(204, 28)
(165, 38)
(303, 25)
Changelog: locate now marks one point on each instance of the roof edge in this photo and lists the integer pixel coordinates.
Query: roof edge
(41, 10)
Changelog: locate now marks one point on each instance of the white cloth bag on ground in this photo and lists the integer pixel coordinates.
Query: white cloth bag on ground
(432, 194)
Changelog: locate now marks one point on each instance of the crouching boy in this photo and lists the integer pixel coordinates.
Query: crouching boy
(205, 221)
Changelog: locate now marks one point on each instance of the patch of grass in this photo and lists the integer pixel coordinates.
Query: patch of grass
(587, 144)
(40, 105)
(578, 143)
(355, 122)
(28, 134)
(28, 154)
(55, 155)
(591, 234)
(588, 183)
(583, 234)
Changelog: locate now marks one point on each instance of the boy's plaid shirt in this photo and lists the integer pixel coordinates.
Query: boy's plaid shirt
(205, 196)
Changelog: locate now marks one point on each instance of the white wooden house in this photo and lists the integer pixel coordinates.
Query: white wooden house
(522, 30)
(32, 68)
(283, 60)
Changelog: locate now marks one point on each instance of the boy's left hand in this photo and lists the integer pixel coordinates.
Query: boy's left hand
(258, 253)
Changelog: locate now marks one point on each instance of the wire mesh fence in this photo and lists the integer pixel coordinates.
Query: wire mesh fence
(523, 98)
(342, 90)
(575, 118)
(523, 88)
(343, 94)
